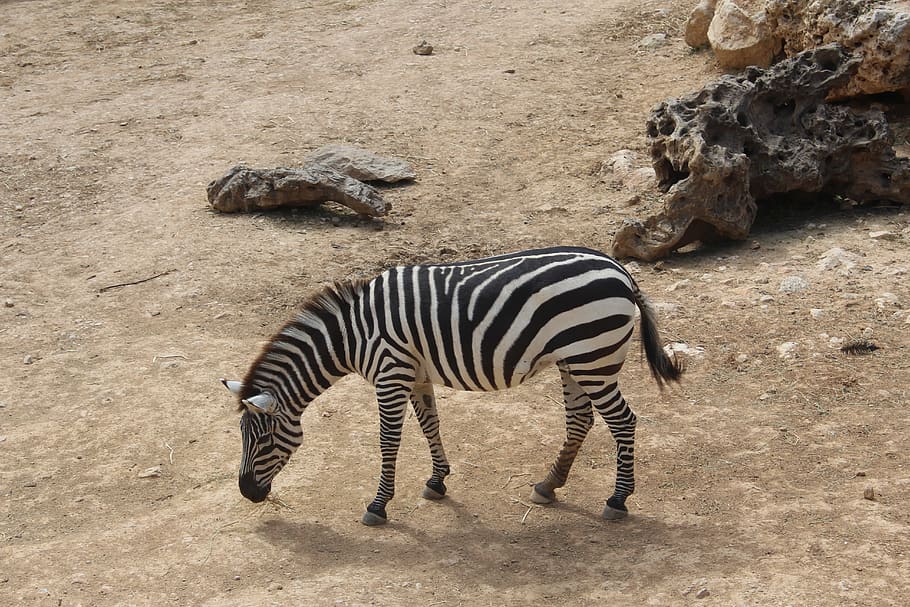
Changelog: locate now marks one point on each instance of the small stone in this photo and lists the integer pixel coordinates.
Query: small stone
(236, 578)
(8, 303)
(275, 586)
(794, 284)
(28, 359)
(883, 235)
(679, 284)
(30, 484)
(702, 593)
(787, 349)
(869, 493)
(816, 312)
(424, 48)
(153, 472)
(837, 258)
(652, 41)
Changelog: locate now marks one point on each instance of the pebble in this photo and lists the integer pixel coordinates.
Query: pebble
(236, 578)
(424, 48)
(837, 258)
(652, 41)
(869, 493)
(882, 235)
(787, 349)
(794, 284)
(702, 593)
(685, 348)
(275, 586)
(153, 472)
(8, 303)
(679, 284)
(28, 359)
(816, 312)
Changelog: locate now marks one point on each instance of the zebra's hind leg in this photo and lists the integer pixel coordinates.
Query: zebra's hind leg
(424, 403)
(611, 405)
(579, 419)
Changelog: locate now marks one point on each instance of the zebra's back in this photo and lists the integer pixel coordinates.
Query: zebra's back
(489, 324)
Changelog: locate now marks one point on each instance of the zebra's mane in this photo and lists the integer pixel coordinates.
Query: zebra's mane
(330, 299)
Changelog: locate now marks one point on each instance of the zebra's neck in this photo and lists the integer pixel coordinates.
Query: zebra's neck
(310, 352)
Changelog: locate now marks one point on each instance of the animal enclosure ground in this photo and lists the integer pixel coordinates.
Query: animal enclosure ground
(123, 299)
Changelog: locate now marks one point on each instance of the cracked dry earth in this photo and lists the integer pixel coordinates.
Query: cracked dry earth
(119, 448)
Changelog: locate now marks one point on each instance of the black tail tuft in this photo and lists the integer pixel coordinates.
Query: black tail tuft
(663, 367)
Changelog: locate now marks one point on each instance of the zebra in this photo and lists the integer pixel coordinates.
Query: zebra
(479, 325)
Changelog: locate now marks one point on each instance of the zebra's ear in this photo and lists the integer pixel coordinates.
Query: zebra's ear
(234, 386)
(263, 402)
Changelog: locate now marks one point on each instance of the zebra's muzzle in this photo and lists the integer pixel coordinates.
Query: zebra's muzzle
(251, 491)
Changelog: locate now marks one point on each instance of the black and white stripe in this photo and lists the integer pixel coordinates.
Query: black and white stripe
(485, 325)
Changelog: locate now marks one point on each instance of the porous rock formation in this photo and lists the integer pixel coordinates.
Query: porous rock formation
(752, 32)
(877, 32)
(719, 152)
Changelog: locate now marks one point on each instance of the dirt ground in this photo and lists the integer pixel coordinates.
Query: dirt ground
(113, 118)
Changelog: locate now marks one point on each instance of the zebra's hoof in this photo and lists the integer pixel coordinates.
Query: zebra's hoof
(539, 495)
(432, 494)
(614, 514)
(371, 519)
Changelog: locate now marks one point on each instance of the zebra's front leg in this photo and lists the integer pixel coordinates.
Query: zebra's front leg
(424, 403)
(393, 400)
(579, 419)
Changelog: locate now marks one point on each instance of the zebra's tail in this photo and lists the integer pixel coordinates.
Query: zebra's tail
(663, 367)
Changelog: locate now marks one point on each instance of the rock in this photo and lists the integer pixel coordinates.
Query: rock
(740, 34)
(877, 32)
(28, 359)
(153, 472)
(681, 347)
(696, 33)
(361, 164)
(652, 41)
(679, 284)
(702, 593)
(787, 349)
(869, 493)
(742, 139)
(621, 162)
(837, 258)
(816, 313)
(424, 48)
(244, 189)
(794, 284)
(883, 235)
(8, 303)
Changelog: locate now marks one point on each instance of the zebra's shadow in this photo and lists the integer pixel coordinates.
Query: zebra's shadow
(472, 549)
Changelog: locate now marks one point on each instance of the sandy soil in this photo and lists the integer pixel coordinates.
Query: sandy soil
(113, 118)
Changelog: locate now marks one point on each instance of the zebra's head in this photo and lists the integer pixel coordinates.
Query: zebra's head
(269, 436)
